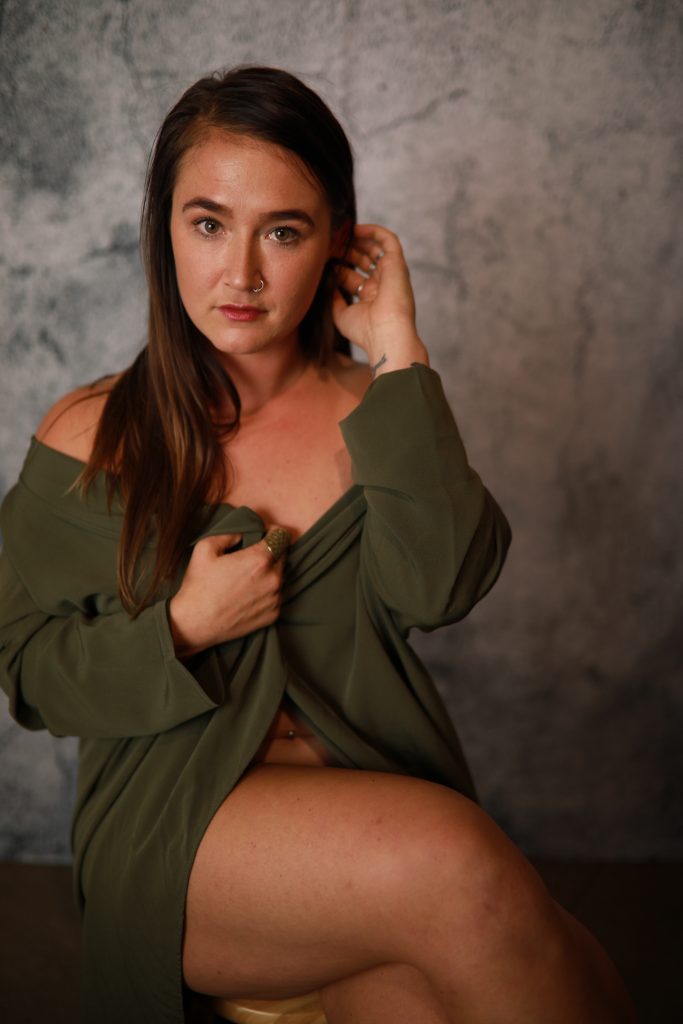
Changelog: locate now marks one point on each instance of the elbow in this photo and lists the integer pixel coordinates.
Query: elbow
(442, 562)
(21, 710)
(490, 546)
(483, 561)
(464, 570)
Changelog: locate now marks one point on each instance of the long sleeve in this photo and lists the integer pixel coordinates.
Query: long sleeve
(71, 659)
(101, 675)
(434, 539)
(415, 544)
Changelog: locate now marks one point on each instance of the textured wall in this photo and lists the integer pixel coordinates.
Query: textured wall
(531, 157)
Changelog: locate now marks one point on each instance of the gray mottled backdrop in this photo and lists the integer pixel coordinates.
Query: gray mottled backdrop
(530, 154)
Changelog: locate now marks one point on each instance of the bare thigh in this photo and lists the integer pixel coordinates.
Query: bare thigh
(308, 875)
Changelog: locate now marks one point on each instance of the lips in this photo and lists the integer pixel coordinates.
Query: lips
(239, 312)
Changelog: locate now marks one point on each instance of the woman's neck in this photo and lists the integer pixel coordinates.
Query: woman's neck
(262, 376)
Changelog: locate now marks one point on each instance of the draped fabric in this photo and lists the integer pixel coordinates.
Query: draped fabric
(415, 542)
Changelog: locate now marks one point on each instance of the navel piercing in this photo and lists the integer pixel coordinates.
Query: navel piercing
(260, 287)
(290, 734)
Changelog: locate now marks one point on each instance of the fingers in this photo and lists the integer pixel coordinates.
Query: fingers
(275, 543)
(375, 241)
(360, 272)
(364, 259)
(227, 593)
(359, 277)
(367, 249)
(218, 544)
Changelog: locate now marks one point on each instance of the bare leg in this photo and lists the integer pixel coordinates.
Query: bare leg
(306, 877)
(391, 994)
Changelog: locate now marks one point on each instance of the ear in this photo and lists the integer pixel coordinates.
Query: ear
(341, 240)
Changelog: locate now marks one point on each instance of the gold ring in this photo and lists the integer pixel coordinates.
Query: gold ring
(277, 540)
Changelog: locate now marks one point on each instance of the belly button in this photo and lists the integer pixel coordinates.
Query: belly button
(291, 734)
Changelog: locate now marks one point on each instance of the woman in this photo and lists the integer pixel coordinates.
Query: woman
(271, 798)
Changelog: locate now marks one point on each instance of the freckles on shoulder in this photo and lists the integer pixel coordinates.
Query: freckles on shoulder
(70, 425)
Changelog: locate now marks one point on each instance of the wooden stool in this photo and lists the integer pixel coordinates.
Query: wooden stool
(299, 1010)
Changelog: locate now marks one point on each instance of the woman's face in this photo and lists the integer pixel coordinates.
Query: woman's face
(243, 212)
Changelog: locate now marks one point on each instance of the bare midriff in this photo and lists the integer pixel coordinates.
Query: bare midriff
(290, 741)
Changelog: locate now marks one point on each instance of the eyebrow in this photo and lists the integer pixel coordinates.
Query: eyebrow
(210, 204)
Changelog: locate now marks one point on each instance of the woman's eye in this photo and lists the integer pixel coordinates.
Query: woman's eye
(284, 235)
(208, 226)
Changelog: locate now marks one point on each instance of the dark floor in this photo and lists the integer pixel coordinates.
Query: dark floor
(636, 910)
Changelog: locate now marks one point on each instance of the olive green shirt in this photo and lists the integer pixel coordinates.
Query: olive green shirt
(415, 542)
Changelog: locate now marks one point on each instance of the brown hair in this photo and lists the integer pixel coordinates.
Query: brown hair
(160, 436)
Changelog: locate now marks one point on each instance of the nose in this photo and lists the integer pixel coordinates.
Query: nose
(241, 271)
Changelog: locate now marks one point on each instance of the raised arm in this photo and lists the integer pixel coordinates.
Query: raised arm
(434, 539)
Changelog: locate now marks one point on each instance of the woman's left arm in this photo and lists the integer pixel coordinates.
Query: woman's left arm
(434, 540)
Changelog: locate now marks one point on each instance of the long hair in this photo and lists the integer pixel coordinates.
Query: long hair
(161, 435)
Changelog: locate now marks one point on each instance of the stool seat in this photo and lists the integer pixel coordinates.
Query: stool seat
(299, 1010)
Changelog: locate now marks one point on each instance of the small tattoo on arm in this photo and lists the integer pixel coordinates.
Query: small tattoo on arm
(379, 363)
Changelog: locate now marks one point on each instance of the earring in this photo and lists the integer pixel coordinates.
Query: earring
(260, 287)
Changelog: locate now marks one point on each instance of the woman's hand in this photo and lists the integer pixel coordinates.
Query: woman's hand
(381, 316)
(224, 595)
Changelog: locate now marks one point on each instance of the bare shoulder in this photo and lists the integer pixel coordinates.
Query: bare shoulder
(71, 424)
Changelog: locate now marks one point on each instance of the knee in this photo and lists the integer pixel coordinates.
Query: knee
(466, 875)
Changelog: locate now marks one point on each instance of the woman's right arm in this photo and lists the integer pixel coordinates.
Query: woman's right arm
(111, 675)
(80, 665)
(106, 674)
(92, 675)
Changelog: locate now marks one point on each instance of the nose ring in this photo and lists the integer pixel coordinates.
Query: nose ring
(260, 287)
